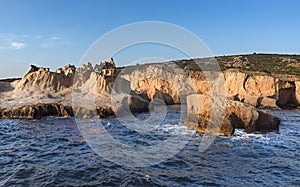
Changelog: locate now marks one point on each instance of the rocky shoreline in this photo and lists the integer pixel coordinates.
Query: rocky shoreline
(226, 116)
(104, 90)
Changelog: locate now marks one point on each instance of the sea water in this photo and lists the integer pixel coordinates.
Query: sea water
(53, 152)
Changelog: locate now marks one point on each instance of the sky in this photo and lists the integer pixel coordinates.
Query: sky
(53, 33)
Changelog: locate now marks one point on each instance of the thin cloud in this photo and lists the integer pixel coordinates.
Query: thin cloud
(13, 41)
(54, 38)
(17, 45)
(54, 41)
(11, 36)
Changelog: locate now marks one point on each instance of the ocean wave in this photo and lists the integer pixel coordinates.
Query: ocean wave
(176, 129)
(242, 135)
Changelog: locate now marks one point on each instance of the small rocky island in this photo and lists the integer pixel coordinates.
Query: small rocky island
(104, 90)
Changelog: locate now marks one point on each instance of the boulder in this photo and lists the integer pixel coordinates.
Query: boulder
(252, 100)
(267, 122)
(267, 102)
(220, 115)
(203, 116)
(199, 123)
(124, 104)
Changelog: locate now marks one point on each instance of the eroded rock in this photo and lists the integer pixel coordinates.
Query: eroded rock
(250, 88)
(162, 81)
(38, 111)
(203, 118)
(39, 78)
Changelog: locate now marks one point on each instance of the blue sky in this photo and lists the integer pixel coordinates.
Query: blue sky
(53, 33)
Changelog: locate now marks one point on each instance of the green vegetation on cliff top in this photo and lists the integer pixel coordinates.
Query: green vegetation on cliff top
(276, 64)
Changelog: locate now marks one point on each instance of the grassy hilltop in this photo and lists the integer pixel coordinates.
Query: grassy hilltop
(267, 63)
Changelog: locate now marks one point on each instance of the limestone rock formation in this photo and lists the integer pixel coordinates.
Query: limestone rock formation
(136, 86)
(205, 114)
(38, 78)
(158, 88)
(172, 85)
(161, 81)
(106, 79)
(81, 92)
(99, 87)
(257, 89)
(261, 90)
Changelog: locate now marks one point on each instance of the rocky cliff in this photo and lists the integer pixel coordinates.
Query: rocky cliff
(257, 89)
(163, 81)
(104, 90)
(261, 90)
(69, 91)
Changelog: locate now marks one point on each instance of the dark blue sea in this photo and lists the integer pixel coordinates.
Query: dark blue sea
(55, 152)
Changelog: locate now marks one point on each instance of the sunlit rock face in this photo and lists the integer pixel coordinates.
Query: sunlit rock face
(91, 88)
(257, 89)
(216, 115)
(69, 91)
(39, 78)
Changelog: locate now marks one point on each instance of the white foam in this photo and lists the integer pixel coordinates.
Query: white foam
(241, 134)
(175, 129)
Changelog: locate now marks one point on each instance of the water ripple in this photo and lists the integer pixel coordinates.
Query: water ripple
(51, 152)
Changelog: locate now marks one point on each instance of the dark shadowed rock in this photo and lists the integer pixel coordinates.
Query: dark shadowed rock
(38, 111)
(287, 98)
(267, 122)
